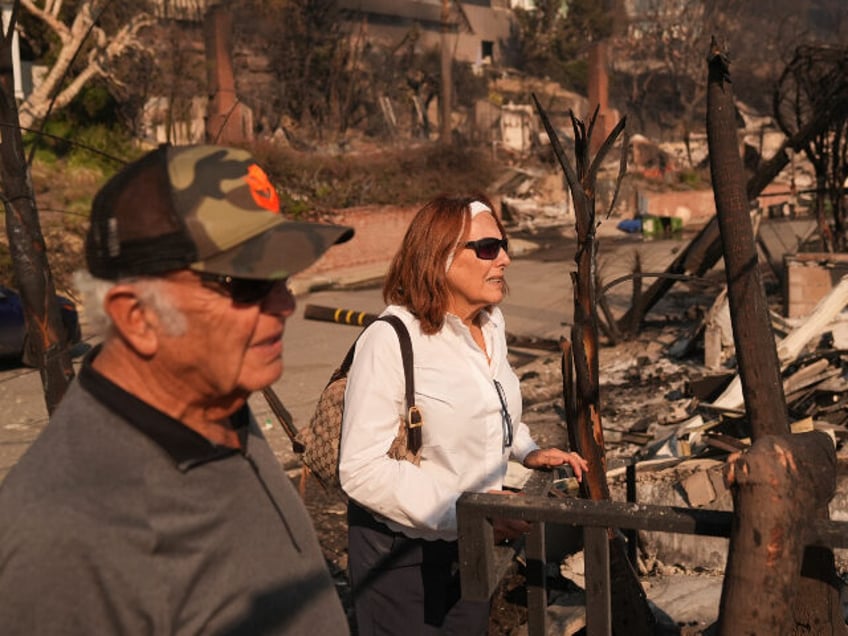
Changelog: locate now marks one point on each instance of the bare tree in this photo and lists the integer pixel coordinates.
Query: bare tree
(813, 82)
(662, 51)
(554, 38)
(657, 59)
(87, 46)
(446, 98)
(314, 64)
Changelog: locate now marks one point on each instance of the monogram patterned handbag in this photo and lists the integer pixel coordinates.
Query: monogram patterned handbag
(318, 443)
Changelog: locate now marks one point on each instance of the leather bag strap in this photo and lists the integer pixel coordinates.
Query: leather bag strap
(413, 417)
(406, 356)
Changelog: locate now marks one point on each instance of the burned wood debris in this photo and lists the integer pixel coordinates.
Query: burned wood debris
(760, 424)
(664, 414)
(814, 367)
(656, 407)
(657, 403)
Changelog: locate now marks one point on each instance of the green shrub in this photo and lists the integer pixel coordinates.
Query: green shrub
(102, 147)
(86, 133)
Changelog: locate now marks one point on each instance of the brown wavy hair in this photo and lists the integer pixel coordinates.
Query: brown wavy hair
(417, 278)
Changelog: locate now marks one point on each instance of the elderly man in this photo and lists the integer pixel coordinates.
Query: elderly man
(151, 503)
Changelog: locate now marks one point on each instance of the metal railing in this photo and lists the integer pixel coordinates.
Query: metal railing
(482, 564)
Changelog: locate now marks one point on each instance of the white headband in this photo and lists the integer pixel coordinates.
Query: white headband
(474, 208)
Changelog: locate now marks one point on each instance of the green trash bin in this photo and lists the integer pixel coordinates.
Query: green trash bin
(661, 226)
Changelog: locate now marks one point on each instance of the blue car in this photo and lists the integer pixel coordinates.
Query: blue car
(13, 345)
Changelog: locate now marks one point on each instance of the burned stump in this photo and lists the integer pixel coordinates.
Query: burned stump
(778, 485)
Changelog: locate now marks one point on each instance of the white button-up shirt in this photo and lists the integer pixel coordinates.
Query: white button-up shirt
(463, 435)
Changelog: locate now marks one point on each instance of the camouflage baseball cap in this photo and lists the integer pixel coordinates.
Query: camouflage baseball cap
(206, 208)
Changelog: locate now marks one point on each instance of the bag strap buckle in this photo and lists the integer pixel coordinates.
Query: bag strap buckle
(414, 418)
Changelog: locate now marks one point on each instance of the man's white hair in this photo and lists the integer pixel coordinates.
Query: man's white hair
(151, 292)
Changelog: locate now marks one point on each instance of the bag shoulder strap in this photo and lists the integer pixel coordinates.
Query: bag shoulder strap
(413, 419)
(344, 367)
(406, 356)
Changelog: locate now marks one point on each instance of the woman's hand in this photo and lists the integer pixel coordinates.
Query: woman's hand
(552, 457)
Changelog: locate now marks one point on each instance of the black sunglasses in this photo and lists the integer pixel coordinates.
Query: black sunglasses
(488, 249)
(506, 420)
(244, 291)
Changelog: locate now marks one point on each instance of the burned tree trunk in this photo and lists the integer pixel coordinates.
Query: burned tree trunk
(782, 480)
(754, 340)
(46, 336)
(584, 342)
(631, 613)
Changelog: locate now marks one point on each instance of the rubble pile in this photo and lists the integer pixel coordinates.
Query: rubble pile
(658, 414)
(655, 406)
(678, 421)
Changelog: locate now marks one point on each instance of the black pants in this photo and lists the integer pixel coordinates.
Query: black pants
(407, 586)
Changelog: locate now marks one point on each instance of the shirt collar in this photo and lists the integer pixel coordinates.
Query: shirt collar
(487, 321)
(185, 446)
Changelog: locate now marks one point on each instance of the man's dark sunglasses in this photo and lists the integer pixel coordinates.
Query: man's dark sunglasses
(244, 291)
(488, 249)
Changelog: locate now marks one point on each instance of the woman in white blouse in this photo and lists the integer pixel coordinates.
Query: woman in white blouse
(444, 283)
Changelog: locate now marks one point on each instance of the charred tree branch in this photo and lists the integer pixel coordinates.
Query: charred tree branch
(632, 614)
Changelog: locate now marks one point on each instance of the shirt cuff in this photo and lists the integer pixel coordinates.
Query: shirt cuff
(523, 444)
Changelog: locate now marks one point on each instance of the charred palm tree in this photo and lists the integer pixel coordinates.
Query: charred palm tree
(784, 480)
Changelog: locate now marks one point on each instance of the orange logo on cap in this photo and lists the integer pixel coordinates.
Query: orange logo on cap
(261, 189)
